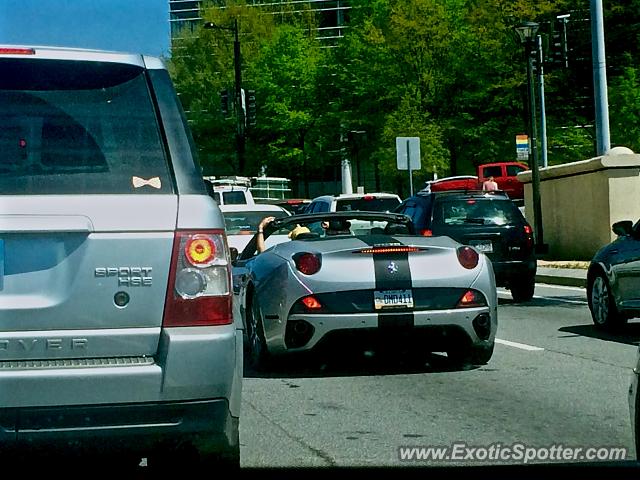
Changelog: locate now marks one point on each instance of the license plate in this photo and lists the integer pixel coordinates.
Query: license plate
(392, 299)
(484, 246)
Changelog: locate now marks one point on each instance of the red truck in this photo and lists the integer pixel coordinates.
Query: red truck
(504, 174)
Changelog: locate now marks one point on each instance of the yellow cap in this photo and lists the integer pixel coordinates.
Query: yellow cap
(297, 231)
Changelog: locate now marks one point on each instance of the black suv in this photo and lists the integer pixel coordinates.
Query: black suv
(488, 221)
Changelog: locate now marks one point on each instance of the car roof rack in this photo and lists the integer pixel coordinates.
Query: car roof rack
(465, 192)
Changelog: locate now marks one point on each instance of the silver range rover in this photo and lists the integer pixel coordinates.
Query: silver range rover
(116, 326)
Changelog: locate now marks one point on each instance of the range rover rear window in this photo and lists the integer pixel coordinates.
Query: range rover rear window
(72, 127)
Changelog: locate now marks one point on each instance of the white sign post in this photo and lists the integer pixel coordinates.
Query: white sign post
(408, 156)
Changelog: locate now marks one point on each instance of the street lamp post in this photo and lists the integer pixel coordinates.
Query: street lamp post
(527, 33)
(239, 101)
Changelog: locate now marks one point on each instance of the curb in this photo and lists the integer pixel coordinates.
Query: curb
(561, 280)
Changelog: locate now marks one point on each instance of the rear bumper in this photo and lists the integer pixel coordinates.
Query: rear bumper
(509, 271)
(434, 328)
(132, 428)
(191, 364)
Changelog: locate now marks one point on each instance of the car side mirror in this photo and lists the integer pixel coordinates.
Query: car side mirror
(233, 251)
(622, 228)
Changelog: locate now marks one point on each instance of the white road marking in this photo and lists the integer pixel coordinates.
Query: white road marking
(565, 300)
(542, 297)
(521, 346)
(562, 287)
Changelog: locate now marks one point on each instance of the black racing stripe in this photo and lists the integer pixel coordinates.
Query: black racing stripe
(396, 320)
(392, 272)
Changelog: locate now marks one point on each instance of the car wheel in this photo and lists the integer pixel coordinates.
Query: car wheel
(474, 355)
(522, 290)
(258, 350)
(603, 308)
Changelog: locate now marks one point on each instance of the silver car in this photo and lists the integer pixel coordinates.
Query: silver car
(116, 327)
(369, 280)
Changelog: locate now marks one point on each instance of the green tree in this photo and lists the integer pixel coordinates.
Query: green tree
(202, 66)
(285, 75)
(624, 103)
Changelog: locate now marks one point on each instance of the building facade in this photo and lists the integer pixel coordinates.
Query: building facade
(333, 15)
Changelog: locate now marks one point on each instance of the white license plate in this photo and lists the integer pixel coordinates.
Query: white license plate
(392, 299)
(482, 246)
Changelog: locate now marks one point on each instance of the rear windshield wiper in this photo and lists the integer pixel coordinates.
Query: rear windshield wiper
(479, 221)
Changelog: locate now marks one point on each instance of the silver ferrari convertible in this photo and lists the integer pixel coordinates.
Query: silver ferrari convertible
(364, 279)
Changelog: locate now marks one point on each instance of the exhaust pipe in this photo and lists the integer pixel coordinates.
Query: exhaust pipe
(298, 333)
(300, 328)
(482, 325)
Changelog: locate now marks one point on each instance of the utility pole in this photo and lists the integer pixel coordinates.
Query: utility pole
(240, 101)
(527, 33)
(239, 93)
(543, 115)
(600, 78)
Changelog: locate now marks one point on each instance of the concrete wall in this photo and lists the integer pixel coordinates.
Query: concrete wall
(581, 200)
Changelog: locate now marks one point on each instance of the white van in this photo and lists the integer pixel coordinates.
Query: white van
(229, 193)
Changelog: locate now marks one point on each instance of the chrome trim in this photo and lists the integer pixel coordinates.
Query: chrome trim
(77, 363)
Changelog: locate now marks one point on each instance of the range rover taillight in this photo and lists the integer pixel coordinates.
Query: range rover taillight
(199, 291)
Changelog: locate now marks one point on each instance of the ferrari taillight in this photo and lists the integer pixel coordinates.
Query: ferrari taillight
(198, 292)
(307, 263)
(468, 257)
(311, 303)
(471, 298)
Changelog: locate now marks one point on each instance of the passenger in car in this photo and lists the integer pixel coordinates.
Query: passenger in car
(293, 234)
(337, 227)
(489, 185)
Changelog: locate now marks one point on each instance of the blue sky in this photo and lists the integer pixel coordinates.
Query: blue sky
(139, 26)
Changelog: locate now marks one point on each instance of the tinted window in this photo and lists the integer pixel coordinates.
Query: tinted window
(476, 212)
(236, 197)
(417, 211)
(495, 171)
(374, 204)
(238, 223)
(513, 170)
(78, 127)
(321, 207)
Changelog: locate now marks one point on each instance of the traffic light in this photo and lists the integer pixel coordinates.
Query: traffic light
(251, 108)
(224, 103)
(558, 44)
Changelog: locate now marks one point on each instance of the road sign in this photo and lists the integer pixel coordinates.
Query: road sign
(522, 147)
(408, 156)
(408, 148)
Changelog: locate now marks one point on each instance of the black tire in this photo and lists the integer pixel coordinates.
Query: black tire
(181, 457)
(604, 312)
(225, 461)
(259, 357)
(474, 355)
(522, 289)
